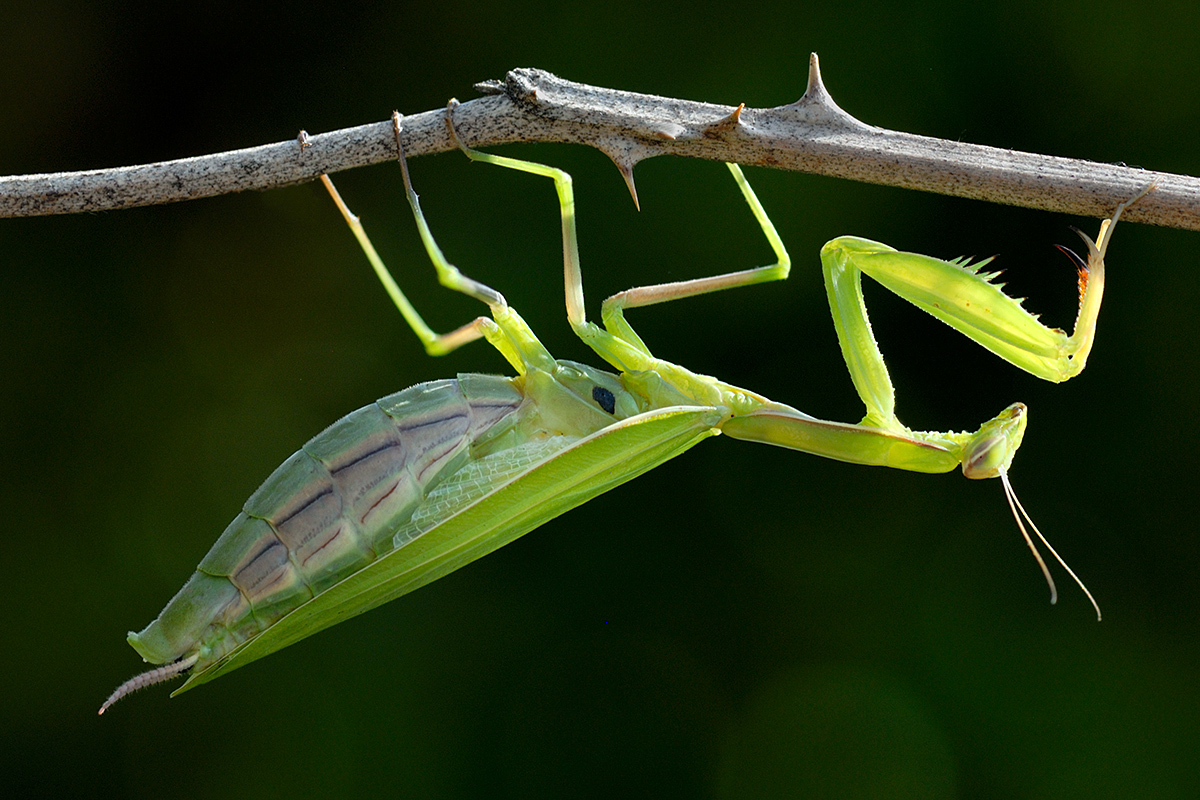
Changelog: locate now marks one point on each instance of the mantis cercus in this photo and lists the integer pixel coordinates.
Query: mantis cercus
(422, 482)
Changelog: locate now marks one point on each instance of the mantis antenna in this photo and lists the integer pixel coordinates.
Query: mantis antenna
(1014, 503)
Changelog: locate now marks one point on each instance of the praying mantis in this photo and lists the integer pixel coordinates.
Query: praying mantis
(424, 481)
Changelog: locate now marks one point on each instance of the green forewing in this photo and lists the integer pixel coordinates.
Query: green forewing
(589, 467)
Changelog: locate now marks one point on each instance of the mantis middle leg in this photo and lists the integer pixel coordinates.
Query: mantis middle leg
(617, 342)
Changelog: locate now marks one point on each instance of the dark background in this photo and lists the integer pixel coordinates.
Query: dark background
(742, 622)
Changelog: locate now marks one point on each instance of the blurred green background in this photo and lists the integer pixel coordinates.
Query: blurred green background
(743, 622)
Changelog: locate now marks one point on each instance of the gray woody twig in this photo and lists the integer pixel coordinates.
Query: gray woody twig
(810, 135)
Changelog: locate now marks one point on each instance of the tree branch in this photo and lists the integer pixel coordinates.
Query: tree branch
(811, 135)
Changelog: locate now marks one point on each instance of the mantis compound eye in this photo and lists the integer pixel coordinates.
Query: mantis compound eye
(984, 458)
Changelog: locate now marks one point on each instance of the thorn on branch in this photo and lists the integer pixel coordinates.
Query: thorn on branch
(726, 124)
(817, 106)
(626, 170)
(816, 91)
(530, 105)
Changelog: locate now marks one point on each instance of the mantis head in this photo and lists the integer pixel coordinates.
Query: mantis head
(990, 451)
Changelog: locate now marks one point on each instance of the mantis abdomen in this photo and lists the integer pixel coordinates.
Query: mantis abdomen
(348, 496)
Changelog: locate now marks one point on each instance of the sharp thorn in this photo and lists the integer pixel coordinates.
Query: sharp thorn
(816, 87)
(626, 170)
(816, 106)
(729, 122)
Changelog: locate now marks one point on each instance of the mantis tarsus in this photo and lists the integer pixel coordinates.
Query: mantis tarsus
(425, 481)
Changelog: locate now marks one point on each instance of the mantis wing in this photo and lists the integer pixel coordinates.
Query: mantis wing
(587, 468)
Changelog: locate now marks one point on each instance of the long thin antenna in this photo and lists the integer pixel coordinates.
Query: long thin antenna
(1014, 504)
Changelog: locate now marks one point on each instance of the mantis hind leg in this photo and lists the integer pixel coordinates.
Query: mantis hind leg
(612, 311)
(506, 331)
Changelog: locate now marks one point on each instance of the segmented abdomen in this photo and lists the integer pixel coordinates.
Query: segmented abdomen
(330, 509)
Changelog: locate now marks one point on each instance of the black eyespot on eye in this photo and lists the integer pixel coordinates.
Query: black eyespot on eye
(604, 398)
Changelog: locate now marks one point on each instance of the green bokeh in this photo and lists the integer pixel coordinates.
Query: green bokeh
(743, 622)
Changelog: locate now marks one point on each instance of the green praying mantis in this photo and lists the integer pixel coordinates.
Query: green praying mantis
(424, 481)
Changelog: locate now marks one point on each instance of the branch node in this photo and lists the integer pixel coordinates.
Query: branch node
(665, 130)
(489, 87)
(518, 85)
